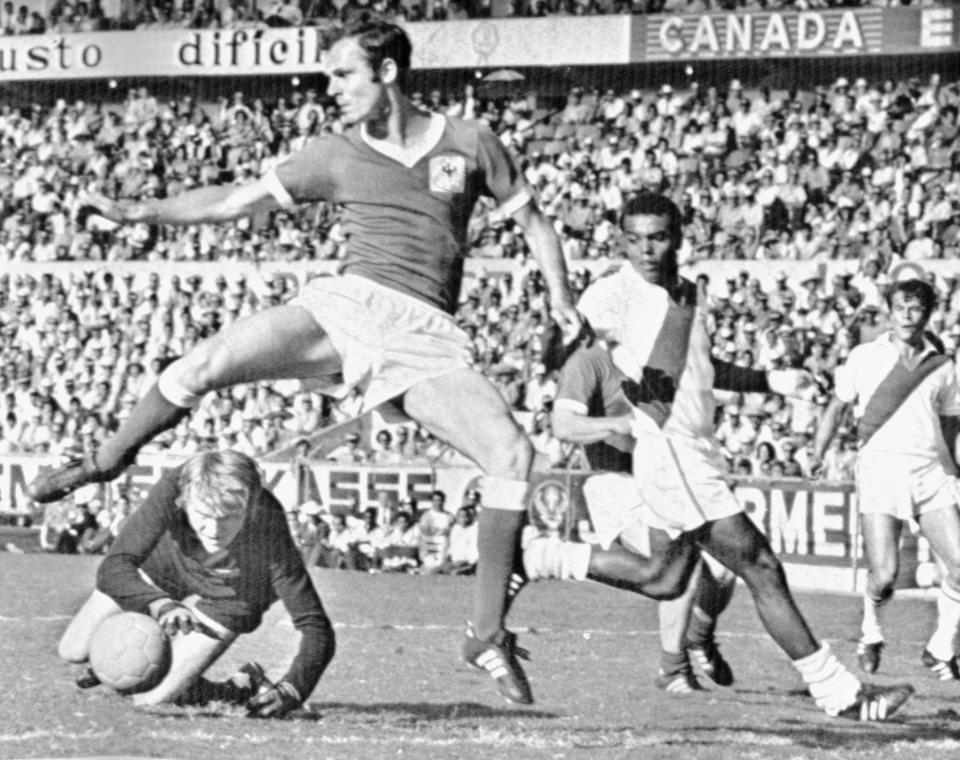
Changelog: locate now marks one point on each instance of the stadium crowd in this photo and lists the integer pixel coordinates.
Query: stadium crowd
(860, 173)
(90, 16)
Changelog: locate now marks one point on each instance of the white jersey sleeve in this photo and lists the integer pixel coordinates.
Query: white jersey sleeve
(948, 404)
(845, 380)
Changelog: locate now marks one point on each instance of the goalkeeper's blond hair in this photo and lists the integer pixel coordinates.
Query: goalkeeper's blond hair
(226, 480)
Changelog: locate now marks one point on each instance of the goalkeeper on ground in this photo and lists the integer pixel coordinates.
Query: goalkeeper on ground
(206, 555)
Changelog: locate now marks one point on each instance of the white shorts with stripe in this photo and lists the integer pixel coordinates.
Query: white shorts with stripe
(387, 341)
(904, 487)
(683, 480)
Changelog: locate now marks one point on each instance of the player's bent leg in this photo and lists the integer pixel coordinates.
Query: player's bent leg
(676, 674)
(714, 592)
(277, 343)
(881, 541)
(941, 527)
(190, 655)
(464, 409)
(738, 544)
(661, 574)
(74, 645)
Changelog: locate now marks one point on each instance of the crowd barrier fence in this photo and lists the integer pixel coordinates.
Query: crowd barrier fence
(813, 527)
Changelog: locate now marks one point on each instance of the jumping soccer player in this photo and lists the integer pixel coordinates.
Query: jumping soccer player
(206, 554)
(651, 318)
(407, 181)
(591, 408)
(907, 405)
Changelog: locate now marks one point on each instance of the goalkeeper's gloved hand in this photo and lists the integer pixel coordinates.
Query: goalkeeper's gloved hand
(174, 617)
(274, 702)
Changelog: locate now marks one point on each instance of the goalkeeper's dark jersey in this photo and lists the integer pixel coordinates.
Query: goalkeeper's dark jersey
(235, 585)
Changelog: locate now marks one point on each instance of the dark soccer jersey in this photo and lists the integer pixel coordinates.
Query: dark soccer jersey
(593, 385)
(406, 212)
(236, 585)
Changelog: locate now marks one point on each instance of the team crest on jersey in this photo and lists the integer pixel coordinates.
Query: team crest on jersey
(448, 174)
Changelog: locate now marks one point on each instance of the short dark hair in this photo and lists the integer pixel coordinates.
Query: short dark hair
(921, 290)
(380, 40)
(649, 204)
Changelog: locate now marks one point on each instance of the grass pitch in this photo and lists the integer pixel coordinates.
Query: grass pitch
(398, 689)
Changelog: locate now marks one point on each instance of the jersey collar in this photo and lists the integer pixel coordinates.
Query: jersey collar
(928, 347)
(410, 155)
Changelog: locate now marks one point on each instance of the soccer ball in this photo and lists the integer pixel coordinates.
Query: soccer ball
(129, 652)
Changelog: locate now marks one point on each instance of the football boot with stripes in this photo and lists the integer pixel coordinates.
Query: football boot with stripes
(877, 703)
(500, 658)
(945, 670)
(712, 664)
(681, 682)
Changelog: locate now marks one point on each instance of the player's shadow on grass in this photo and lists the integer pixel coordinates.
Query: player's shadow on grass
(845, 734)
(422, 710)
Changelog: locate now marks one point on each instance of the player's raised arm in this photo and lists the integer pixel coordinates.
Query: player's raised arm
(545, 246)
(212, 204)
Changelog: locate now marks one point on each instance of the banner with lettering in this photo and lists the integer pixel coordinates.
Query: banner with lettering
(811, 525)
(273, 51)
(791, 34)
(489, 43)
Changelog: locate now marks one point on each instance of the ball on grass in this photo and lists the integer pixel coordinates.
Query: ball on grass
(129, 652)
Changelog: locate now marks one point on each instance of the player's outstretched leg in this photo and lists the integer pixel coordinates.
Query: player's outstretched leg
(675, 675)
(738, 544)
(464, 409)
(280, 342)
(153, 414)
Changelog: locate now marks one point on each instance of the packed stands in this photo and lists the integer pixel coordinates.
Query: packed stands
(864, 173)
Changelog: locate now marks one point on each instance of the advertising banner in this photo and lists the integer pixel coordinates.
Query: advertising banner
(809, 525)
(763, 34)
(160, 52)
(791, 34)
(552, 41)
(489, 43)
(275, 51)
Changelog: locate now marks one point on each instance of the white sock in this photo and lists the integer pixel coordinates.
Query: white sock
(871, 630)
(575, 560)
(549, 557)
(832, 686)
(948, 621)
